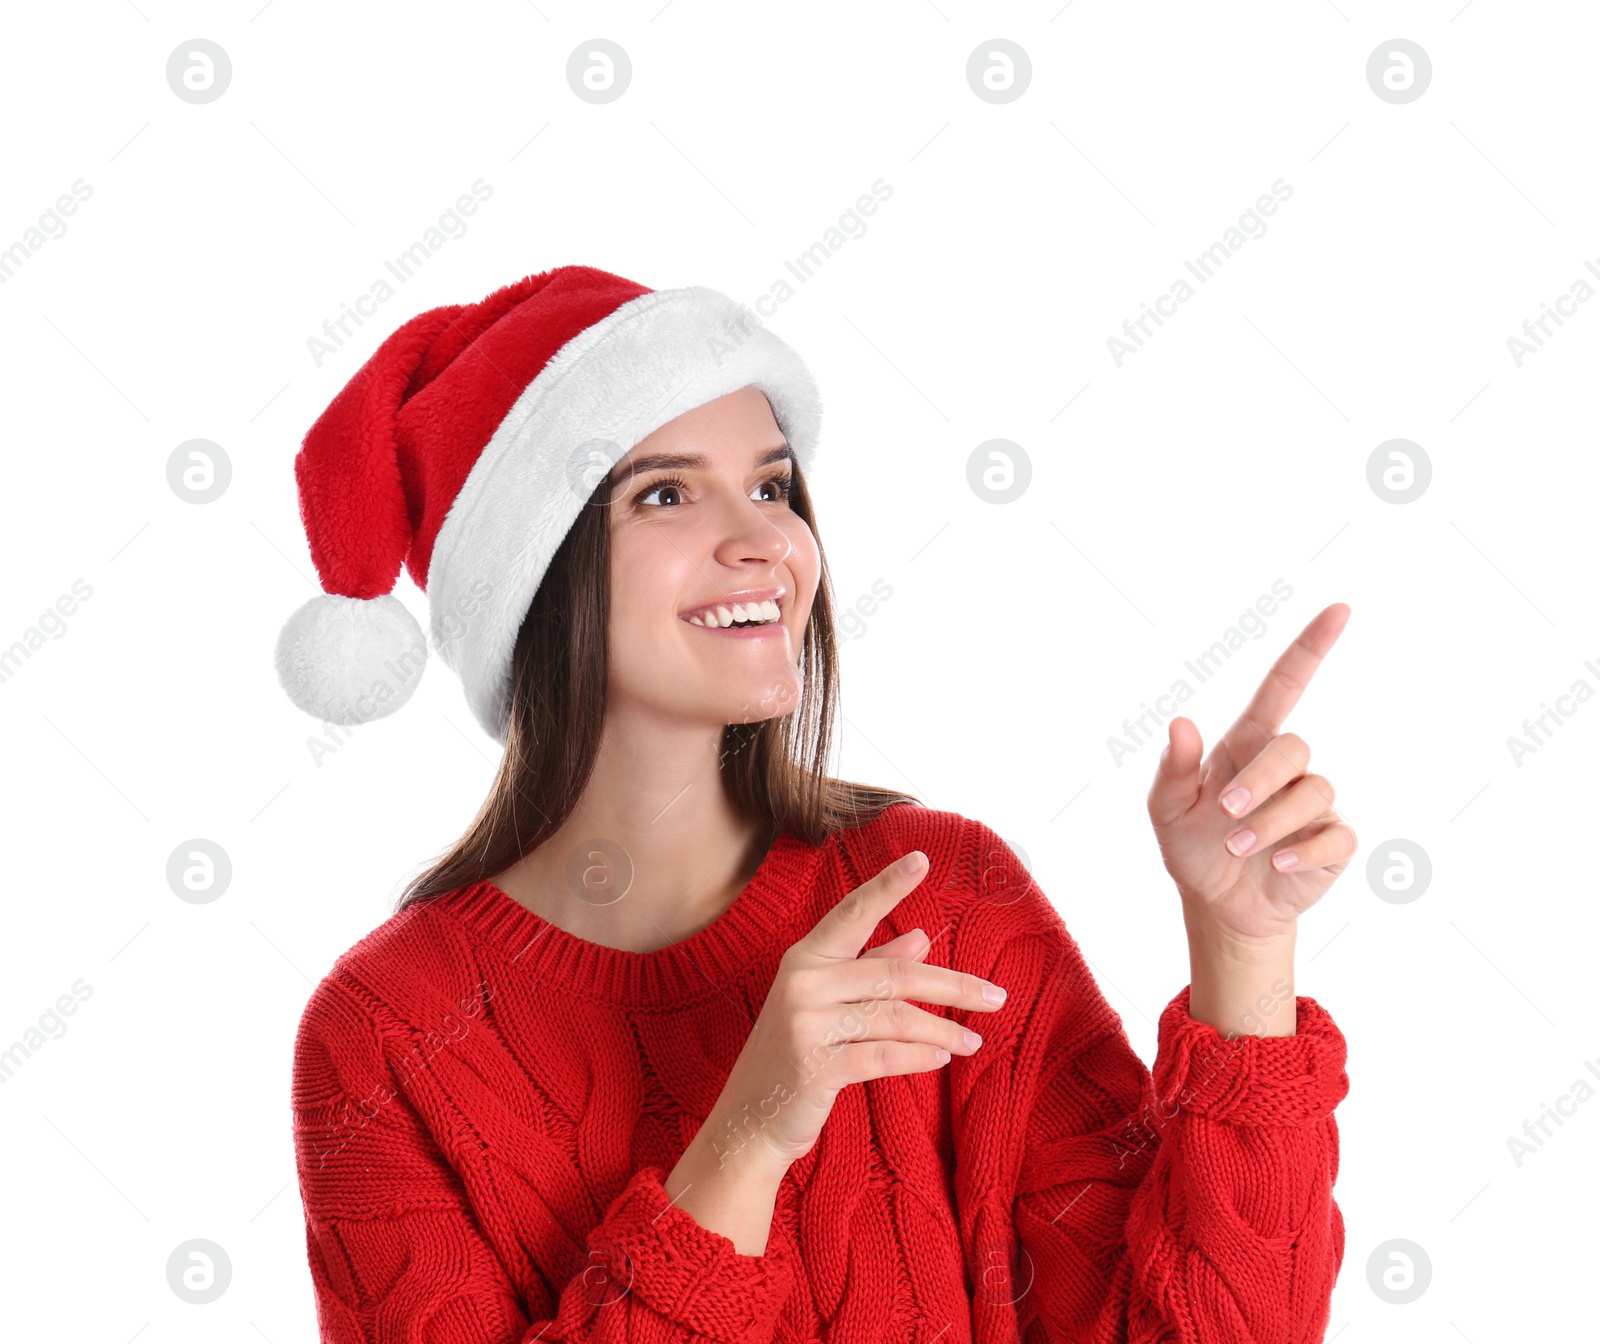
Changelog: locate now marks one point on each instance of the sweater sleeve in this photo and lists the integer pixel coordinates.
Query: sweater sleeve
(1102, 1201)
(399, 1254)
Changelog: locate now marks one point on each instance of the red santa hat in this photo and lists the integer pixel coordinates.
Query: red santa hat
(466, 447)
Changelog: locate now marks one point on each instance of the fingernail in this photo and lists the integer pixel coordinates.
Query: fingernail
(1285, 859)
(993, 993)
(913, 861)
(1240, 841)
(944, 1055)
(1236, 798)
(920, 940)
(972, 1039)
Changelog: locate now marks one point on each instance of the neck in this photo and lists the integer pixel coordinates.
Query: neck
(653, 852)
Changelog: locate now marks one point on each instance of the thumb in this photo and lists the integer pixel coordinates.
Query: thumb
(910, 945)
(1177, 781)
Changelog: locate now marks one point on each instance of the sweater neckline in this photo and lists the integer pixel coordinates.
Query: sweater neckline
(696, 966)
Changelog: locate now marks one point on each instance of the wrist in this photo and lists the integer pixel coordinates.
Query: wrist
(745, 1163)
(1241, 986)
(1215, 941)
(734, 1194)
(736, 1142)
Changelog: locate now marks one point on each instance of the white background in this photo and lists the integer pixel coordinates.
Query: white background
(1167, 495)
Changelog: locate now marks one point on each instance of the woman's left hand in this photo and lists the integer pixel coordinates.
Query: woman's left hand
(1246, 896)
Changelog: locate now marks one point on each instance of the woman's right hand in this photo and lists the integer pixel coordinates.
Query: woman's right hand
(835, 1016)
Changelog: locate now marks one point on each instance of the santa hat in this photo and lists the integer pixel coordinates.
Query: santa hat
(466, 447)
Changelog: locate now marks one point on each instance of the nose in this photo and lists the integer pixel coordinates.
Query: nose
(746, 531)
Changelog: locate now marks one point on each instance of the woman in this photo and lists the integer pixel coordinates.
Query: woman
(686, 1040)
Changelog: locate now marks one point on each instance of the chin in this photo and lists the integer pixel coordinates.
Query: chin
(769, 698)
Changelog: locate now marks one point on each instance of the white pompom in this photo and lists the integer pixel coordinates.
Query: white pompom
(349, 660)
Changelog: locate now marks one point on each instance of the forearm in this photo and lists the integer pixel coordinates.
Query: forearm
(1244, 989)
(734, 1196)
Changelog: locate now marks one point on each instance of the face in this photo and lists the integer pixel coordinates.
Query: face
(702, 532)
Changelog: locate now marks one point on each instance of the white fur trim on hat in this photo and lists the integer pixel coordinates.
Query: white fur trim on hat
(649, 361)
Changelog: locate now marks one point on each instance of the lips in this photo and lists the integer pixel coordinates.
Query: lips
(768, 630)
(739, 615)
(738, 605)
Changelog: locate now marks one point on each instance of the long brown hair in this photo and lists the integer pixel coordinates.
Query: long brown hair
(774, 769)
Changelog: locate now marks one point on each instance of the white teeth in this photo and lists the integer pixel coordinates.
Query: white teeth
(756, 611)
(740, 611)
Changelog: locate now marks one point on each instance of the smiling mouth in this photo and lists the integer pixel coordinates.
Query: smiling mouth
(737, 615)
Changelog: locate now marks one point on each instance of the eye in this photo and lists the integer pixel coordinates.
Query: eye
(673, 483)
(782, 484)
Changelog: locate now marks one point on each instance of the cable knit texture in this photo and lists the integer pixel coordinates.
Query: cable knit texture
(486, 1108)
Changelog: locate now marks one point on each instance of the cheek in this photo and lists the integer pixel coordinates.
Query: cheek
(649, 576)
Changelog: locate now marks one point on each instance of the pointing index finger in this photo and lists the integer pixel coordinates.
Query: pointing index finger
(844, 930)
(1286, 679)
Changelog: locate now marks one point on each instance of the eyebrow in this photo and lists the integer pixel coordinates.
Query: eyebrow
(694, 462)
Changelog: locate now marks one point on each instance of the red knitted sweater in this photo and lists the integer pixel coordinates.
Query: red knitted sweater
(485, 1108)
